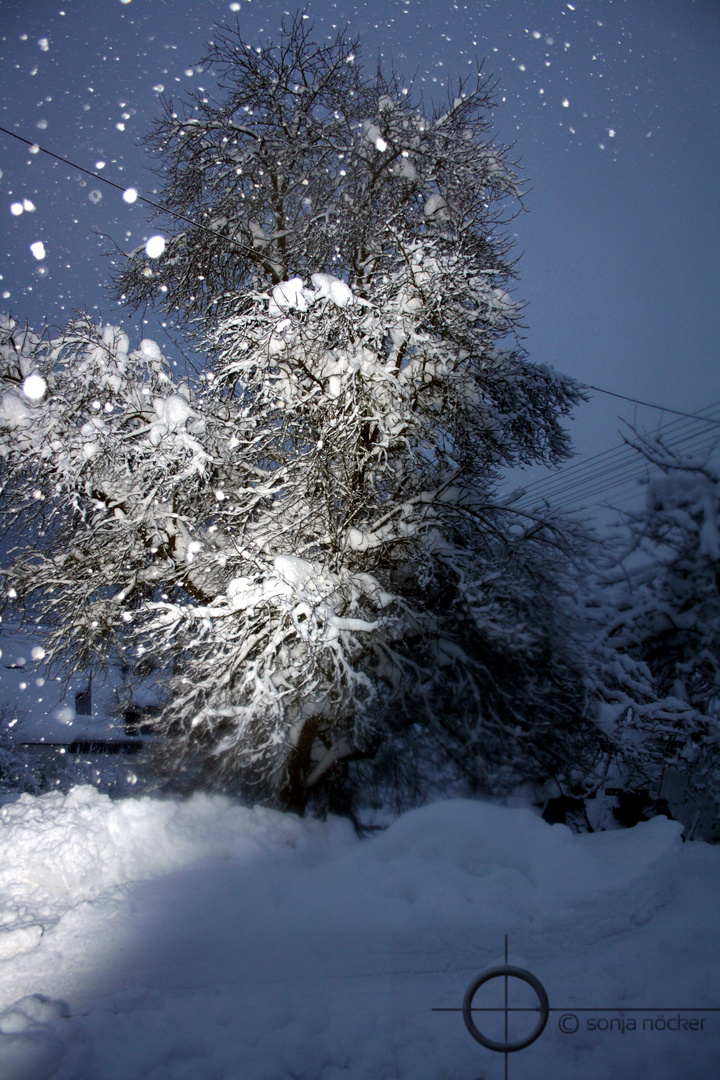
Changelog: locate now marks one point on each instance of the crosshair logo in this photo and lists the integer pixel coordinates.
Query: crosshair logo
(592, 1019)
(507, 971)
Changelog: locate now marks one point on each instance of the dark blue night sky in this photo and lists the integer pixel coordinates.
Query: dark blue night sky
(613, 107)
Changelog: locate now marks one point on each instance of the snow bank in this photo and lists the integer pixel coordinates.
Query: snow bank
(442, 862)
(430, 864)
(165, 940)
(57, 851)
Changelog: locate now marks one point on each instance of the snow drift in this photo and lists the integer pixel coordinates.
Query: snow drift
(165, 939)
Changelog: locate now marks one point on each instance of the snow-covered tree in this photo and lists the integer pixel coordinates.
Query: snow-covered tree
(307, 541)
(676, 624)
(663, 623)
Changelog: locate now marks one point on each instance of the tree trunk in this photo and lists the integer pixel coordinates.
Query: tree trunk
(295, 794)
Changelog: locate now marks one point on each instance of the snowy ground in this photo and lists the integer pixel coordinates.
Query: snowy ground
(200, 940)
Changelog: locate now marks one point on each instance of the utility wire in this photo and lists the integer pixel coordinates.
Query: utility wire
(119, 187)
(621, 486)
(608, 470)
(246, 248)
(694, 442)
(585, 468)
(603, 493)
(647, 404)
(605, 482)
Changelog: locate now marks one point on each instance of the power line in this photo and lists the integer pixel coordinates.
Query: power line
(621, 485)
(140, 198)
(647, 404)
(627, 467)
(607, 480)
(586, 464)
(608, 469)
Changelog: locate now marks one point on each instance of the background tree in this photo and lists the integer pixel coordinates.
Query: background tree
(661, 624)
(675, 622)
(307, 540)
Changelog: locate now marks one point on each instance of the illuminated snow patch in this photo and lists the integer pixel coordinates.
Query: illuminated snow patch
(331, 288)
